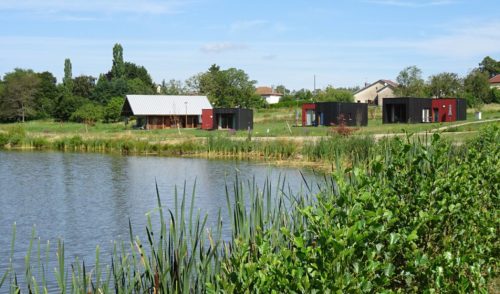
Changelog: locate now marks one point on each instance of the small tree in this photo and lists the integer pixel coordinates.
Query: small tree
(113, 109)
(88, 114)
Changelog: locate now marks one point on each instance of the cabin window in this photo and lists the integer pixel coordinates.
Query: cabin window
(450, 113)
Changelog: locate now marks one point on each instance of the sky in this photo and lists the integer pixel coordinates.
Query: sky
(293, 43)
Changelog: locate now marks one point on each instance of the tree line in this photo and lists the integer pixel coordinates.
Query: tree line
(26, 95)
(474, 87)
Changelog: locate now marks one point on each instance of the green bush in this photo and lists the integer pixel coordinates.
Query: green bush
(419, 219)
(4, 139)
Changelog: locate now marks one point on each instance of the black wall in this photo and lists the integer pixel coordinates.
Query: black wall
(243, 117)
(461, 109)
(354, 114)
(413, 108)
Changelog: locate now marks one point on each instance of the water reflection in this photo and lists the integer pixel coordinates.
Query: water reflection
(87, 199)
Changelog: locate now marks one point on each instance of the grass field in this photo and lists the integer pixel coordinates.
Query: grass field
(267, 123)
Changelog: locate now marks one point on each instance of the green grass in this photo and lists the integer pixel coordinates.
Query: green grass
(267, 123)
(410, 217)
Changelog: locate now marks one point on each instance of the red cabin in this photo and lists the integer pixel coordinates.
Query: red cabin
(444, 110)
(308, 114)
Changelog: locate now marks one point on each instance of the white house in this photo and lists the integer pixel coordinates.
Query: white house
(376, 92)
(495, 82)
(269, 94)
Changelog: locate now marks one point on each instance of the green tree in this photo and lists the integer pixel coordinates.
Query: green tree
(68, 75)
(137, 86)
(88, 113)
(495, 95)
(18, 99)
(410, 82)
(112, 110)
(229, 88)
(489, 66)
(67, 105)
(134, 71)
(46, 95)
(477, 86)
(118, 68)
(303, 95)
(332, 94)
(445, 84)
(84, 86)
(105, 89)
(172, 87)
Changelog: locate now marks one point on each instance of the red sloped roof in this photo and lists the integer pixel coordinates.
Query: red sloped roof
(495, 79)
(264, 91)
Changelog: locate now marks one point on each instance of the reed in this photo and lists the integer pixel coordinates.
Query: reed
(417, 215)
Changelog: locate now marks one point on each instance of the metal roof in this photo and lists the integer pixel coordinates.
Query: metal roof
(167, 104)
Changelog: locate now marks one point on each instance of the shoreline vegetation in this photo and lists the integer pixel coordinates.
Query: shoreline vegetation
(411, 216)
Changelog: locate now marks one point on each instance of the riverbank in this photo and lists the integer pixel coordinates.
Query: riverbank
(415, 215)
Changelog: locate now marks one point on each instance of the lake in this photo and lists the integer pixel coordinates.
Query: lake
(87, 199)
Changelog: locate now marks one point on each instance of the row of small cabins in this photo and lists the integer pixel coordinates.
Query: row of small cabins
(167, 111)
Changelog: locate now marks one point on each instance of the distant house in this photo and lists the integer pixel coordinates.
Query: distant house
(268, 94)
(165, 111)
(376, 92)
(495, 82)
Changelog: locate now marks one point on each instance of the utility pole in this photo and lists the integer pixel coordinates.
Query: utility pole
(314, 84)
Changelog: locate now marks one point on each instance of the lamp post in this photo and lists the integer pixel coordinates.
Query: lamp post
(186, 103)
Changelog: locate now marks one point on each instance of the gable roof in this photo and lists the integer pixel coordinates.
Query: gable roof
(266, 91)
(166, 104)
(387, 83)
(495, 79)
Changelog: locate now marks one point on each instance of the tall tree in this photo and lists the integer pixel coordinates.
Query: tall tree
(18, 99)
(118, 68)
(47, 94)
(477, 87)
(410, 82)
(229, 88)
(445, 84)
(490, 66)
(134, 71)
(84, 86)
(68, 75)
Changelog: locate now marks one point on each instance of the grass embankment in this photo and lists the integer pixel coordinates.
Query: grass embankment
(413, 218)
(274, 138)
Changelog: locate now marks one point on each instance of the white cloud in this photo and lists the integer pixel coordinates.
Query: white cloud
(51, 7)
(411, 3)
(248, 25)
(223, 46)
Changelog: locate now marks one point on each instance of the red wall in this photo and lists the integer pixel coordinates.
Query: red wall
(306, 107)
(207, 119)
(443, 107)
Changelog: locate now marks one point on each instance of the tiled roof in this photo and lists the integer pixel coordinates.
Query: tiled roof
(266, 91)
(167, 104)
(495, 79)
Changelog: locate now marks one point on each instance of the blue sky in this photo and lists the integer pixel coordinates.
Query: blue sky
(342, 43)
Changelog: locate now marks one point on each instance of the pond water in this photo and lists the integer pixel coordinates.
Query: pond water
(87, 199)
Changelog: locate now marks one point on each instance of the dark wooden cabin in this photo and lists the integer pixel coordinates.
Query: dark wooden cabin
(417, 110)
(227, 118)
(335, 113)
